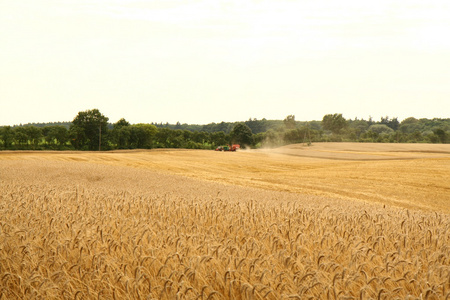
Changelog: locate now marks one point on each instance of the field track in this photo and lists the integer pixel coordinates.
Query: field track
(330, 221)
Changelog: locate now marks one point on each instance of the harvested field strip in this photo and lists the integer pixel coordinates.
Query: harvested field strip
(413, 180)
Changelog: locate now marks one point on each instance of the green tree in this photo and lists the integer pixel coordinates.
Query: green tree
(334, 123)
(200, 137)
(219, 138)
(176, 138)
(392, 123)
(415, 137)
(441, 136)
(358, 127)
(370, 136)
(7, 136)
(289, 122)
(58, 135)
(89, 129)
(34, 135)
(299, 135)
(122, 122)
(242, 134)
(78, 138)
(257, 126)
(293, 136)
(162, 137)
(409, 125)
(20, 137)
(122, 137)
(381, 128)
(121, 134)
(142, 136)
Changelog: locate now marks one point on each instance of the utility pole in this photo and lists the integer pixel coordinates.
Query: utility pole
(309, 135)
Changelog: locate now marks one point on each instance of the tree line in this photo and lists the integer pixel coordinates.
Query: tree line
(91, 130)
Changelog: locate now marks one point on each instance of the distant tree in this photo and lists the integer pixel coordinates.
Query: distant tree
(222, 126)
(370, 136)
(89, 129)
(162, 137)
(358, 127)
(391, 123)
(441, 136)
(410, 120)
(187, 135)
(200, 137)
(174, 138)
(289, 122)
(415, 137)
(121, 134)
(334, 123)
(242, 134)
(142, 135)
(409, 125)
(293, 136)
(121, 137)
(57, 135)
(122, 122)
(61, 134)
(34, 135)
(257, 126)
(219, 138)
(7, 136)
(177, 138)
(380, 128)
(20, 137)
(77, 138)
(300, 135)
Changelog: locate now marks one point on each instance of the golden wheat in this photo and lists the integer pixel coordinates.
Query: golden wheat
(79, 230)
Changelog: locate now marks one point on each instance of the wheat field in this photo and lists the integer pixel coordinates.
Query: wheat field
(331, 221)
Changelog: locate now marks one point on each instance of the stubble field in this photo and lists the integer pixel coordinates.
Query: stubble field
(331, 221)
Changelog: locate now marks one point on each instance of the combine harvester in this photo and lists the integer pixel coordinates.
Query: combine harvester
(233, 147)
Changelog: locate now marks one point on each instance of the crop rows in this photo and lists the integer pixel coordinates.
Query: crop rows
(80, 231)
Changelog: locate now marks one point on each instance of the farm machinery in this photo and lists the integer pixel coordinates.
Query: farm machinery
(233, 147)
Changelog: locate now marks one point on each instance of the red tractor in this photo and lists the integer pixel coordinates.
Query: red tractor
(233, 147)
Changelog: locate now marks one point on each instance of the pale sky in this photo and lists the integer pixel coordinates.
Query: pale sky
(210, 60)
